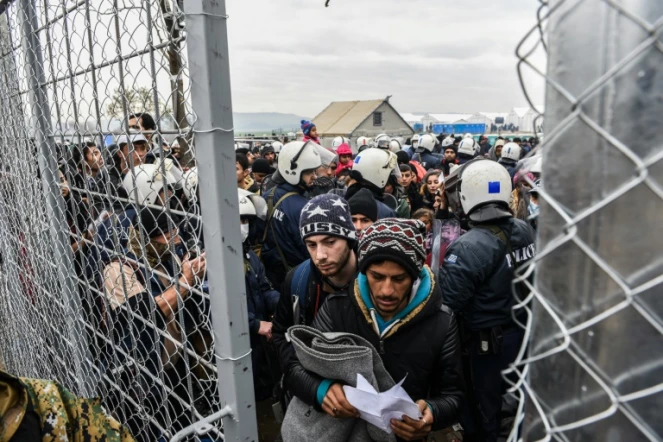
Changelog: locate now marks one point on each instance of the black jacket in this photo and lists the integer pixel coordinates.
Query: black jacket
(476, 276)
(284, 229)
(298, 381)
(424, 346)
(510, 165)
(416, 198)
(446, 166)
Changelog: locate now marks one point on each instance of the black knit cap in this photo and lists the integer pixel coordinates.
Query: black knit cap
(397, 240)
(402, 157)
(261, 165)
(450, 147)
(364, 203)
(155, 222)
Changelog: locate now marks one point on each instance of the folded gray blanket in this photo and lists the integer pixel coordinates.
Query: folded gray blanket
(337, 356)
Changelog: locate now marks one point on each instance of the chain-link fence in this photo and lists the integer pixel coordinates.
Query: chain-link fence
(103, 270)
(593, 369)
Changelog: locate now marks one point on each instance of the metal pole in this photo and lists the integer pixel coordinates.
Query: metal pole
(210, 91)
(598, 276)
(80, 380)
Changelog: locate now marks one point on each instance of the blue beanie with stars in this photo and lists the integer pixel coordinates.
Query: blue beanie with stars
(327, 214)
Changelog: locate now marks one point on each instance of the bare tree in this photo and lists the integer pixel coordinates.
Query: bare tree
(138, 100)
(173, 53)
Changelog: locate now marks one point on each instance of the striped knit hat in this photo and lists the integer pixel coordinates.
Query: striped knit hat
(397, 240)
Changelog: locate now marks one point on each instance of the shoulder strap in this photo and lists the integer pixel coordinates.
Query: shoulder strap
(300, 281)
(271, 207)
(299, 289)
(276, 241)
(503, 237)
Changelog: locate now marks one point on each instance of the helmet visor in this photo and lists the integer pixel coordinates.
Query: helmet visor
(384, 143)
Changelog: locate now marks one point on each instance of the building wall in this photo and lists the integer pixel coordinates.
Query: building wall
(480, 119)
(392, 125)
(512, 118)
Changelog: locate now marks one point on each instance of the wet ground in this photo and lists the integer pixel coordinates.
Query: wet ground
(268, 429)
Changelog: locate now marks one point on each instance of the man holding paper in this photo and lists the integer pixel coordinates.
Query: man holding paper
(395, 304)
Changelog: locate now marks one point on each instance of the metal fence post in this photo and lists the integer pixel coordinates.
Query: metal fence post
(593, 368)
(80, 380)
(211, 99)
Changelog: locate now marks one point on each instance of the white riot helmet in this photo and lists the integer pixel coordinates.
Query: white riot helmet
(511, 151)
(415, 140)
(295, 158)
(190, 184)
(338, 141)
(395, 146)
(277, 145)
(448, 141)
(468, 147)
(427, 141)
(382, 141)
(375, 165)
(468, 135)
(144, 182)
(480, 189)
(364, 143)
(251, 204)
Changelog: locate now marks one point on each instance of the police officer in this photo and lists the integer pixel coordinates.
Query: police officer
(261, 299)
(424, 153)
(476, 283)
(510, 157)
(371, 170)
(467, 150)
(283, 248)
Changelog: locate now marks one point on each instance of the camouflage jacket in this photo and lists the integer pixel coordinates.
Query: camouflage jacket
(62, 416)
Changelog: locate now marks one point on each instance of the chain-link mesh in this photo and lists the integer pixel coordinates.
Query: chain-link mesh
(102, 277)
(593, 369)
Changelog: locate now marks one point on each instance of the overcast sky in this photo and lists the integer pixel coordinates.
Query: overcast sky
(296, 56)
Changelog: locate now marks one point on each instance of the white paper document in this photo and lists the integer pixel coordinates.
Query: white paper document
(380, 408)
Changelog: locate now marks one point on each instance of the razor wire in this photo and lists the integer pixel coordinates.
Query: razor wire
(100, 213)
(591, 367)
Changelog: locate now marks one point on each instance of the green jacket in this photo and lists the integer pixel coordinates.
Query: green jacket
(62, 416)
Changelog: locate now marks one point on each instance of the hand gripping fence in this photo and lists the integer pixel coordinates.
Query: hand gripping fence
(592, 369)
(118, 213)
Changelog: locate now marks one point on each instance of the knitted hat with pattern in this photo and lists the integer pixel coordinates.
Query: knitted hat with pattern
(327, 214)
(398, 240)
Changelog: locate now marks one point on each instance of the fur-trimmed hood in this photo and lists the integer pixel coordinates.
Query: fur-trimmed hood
(425, 301)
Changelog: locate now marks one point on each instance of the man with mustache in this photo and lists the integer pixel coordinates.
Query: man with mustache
(395, 304)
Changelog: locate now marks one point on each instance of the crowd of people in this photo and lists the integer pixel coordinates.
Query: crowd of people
(411, 246)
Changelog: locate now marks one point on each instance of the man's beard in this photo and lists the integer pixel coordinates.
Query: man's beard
(336, 269)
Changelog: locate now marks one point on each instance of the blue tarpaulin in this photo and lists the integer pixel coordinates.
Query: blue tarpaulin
(459, 129)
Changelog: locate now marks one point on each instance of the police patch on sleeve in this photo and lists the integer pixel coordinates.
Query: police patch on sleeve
(451, 259)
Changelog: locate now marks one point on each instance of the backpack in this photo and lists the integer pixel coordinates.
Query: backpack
(299, 289)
